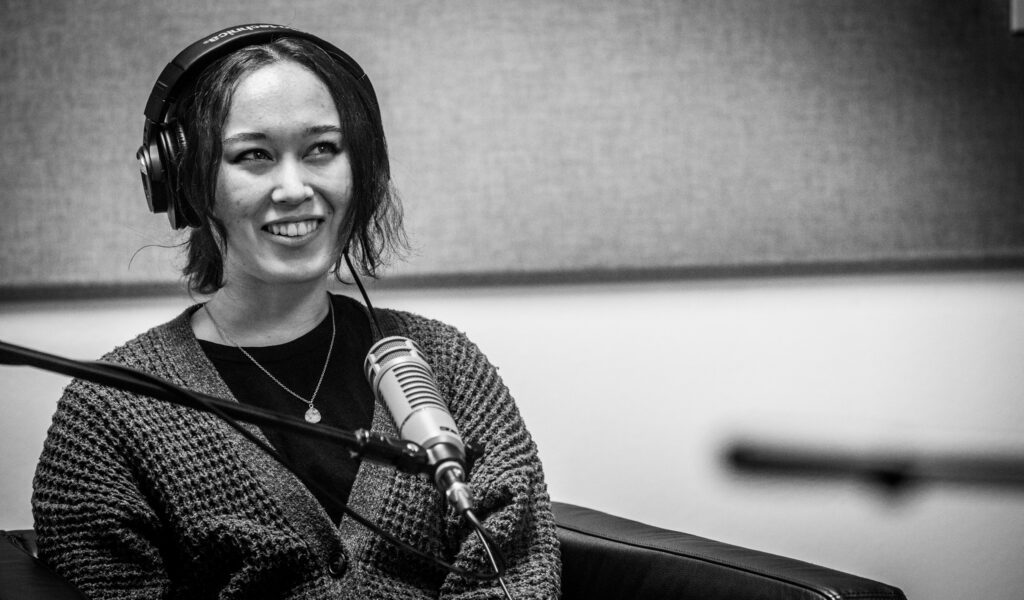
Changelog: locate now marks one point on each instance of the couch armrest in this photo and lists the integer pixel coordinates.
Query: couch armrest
(604, 556)
(23, 576)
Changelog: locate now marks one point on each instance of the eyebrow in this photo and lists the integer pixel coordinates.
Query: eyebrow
(248, 136)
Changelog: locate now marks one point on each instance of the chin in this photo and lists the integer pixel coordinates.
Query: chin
(296, 271)
(303, 275)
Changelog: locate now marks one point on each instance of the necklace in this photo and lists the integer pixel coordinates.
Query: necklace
(312, 414)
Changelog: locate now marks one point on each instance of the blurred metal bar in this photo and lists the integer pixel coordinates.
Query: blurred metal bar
(890, 469)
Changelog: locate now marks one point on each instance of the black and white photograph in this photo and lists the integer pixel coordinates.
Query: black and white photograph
(521, 300)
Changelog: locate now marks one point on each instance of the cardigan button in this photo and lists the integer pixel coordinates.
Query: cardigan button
(338, 567)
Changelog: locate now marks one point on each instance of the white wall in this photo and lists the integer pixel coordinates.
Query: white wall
(633, 390)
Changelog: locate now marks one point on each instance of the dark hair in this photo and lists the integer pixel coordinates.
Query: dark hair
(373, 223)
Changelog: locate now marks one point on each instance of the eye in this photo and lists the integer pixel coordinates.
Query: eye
(252, 155)
(324, 149)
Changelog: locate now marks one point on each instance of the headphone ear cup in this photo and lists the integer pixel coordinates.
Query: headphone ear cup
(159, 176)
(152, 170)
(186, 214)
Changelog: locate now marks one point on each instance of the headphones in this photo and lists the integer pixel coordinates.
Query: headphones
(163, 138)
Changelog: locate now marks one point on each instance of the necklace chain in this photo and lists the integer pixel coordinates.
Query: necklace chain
(312, 414)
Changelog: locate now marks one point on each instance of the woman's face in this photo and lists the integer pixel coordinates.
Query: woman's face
(284, 181)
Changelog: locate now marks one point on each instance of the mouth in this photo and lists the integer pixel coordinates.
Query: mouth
(293, 229)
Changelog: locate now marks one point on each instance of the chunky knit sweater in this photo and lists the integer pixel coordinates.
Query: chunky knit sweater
(138, 498)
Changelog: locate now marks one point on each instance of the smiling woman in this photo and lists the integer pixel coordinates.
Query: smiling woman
(268, 147)
(273, 115)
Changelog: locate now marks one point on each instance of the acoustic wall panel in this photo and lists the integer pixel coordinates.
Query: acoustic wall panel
(553, 138)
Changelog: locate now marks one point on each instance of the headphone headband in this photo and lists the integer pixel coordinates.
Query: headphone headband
(192, 60)
(161, 146)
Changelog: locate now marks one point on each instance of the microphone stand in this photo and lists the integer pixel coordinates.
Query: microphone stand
(403, 455)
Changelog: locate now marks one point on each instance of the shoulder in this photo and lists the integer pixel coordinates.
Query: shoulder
(392, 322)
(154, 351)
(161, 338)
(448, 349)
(441, 341)
(461, 367)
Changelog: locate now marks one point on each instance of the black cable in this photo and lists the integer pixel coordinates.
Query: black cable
(374, 325)
(497, 562)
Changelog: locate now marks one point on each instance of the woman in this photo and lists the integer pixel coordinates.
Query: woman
(272, 153)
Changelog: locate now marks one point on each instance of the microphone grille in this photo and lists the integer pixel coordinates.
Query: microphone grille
(416, 378)
(385, 352)
(403, 346)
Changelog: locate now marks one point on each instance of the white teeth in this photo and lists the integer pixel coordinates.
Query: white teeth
(293, 229)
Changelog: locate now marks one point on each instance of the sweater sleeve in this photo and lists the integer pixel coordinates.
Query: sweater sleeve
(507, 481)
(93, 525)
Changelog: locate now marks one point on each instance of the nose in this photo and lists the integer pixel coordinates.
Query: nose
(290, 187)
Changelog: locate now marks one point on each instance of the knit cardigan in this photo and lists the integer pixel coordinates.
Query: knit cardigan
(139, 498)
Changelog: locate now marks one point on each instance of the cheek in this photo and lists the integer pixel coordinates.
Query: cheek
(343, 207)
(229, 204)
(221, 196)
(343, 196)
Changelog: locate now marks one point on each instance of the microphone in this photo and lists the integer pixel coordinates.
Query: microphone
(402, 379)
(373, 446)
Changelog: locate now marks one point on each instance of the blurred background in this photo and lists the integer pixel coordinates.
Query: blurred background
(673, 225)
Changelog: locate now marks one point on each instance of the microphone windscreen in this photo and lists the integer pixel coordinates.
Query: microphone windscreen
(402, 379)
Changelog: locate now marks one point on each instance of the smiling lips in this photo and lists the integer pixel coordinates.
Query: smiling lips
(293, 229)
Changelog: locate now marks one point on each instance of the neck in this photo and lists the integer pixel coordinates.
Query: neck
(264, 317)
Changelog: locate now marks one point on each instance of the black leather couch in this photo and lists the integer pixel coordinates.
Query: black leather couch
(603, 556)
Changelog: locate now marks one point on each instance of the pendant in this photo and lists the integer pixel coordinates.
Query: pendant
(312, 415)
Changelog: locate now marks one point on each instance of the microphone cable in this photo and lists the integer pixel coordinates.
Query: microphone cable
(497, 560)
(494, 555)
(374, 325)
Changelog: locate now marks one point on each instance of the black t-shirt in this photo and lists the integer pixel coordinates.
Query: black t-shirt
(345, 400)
